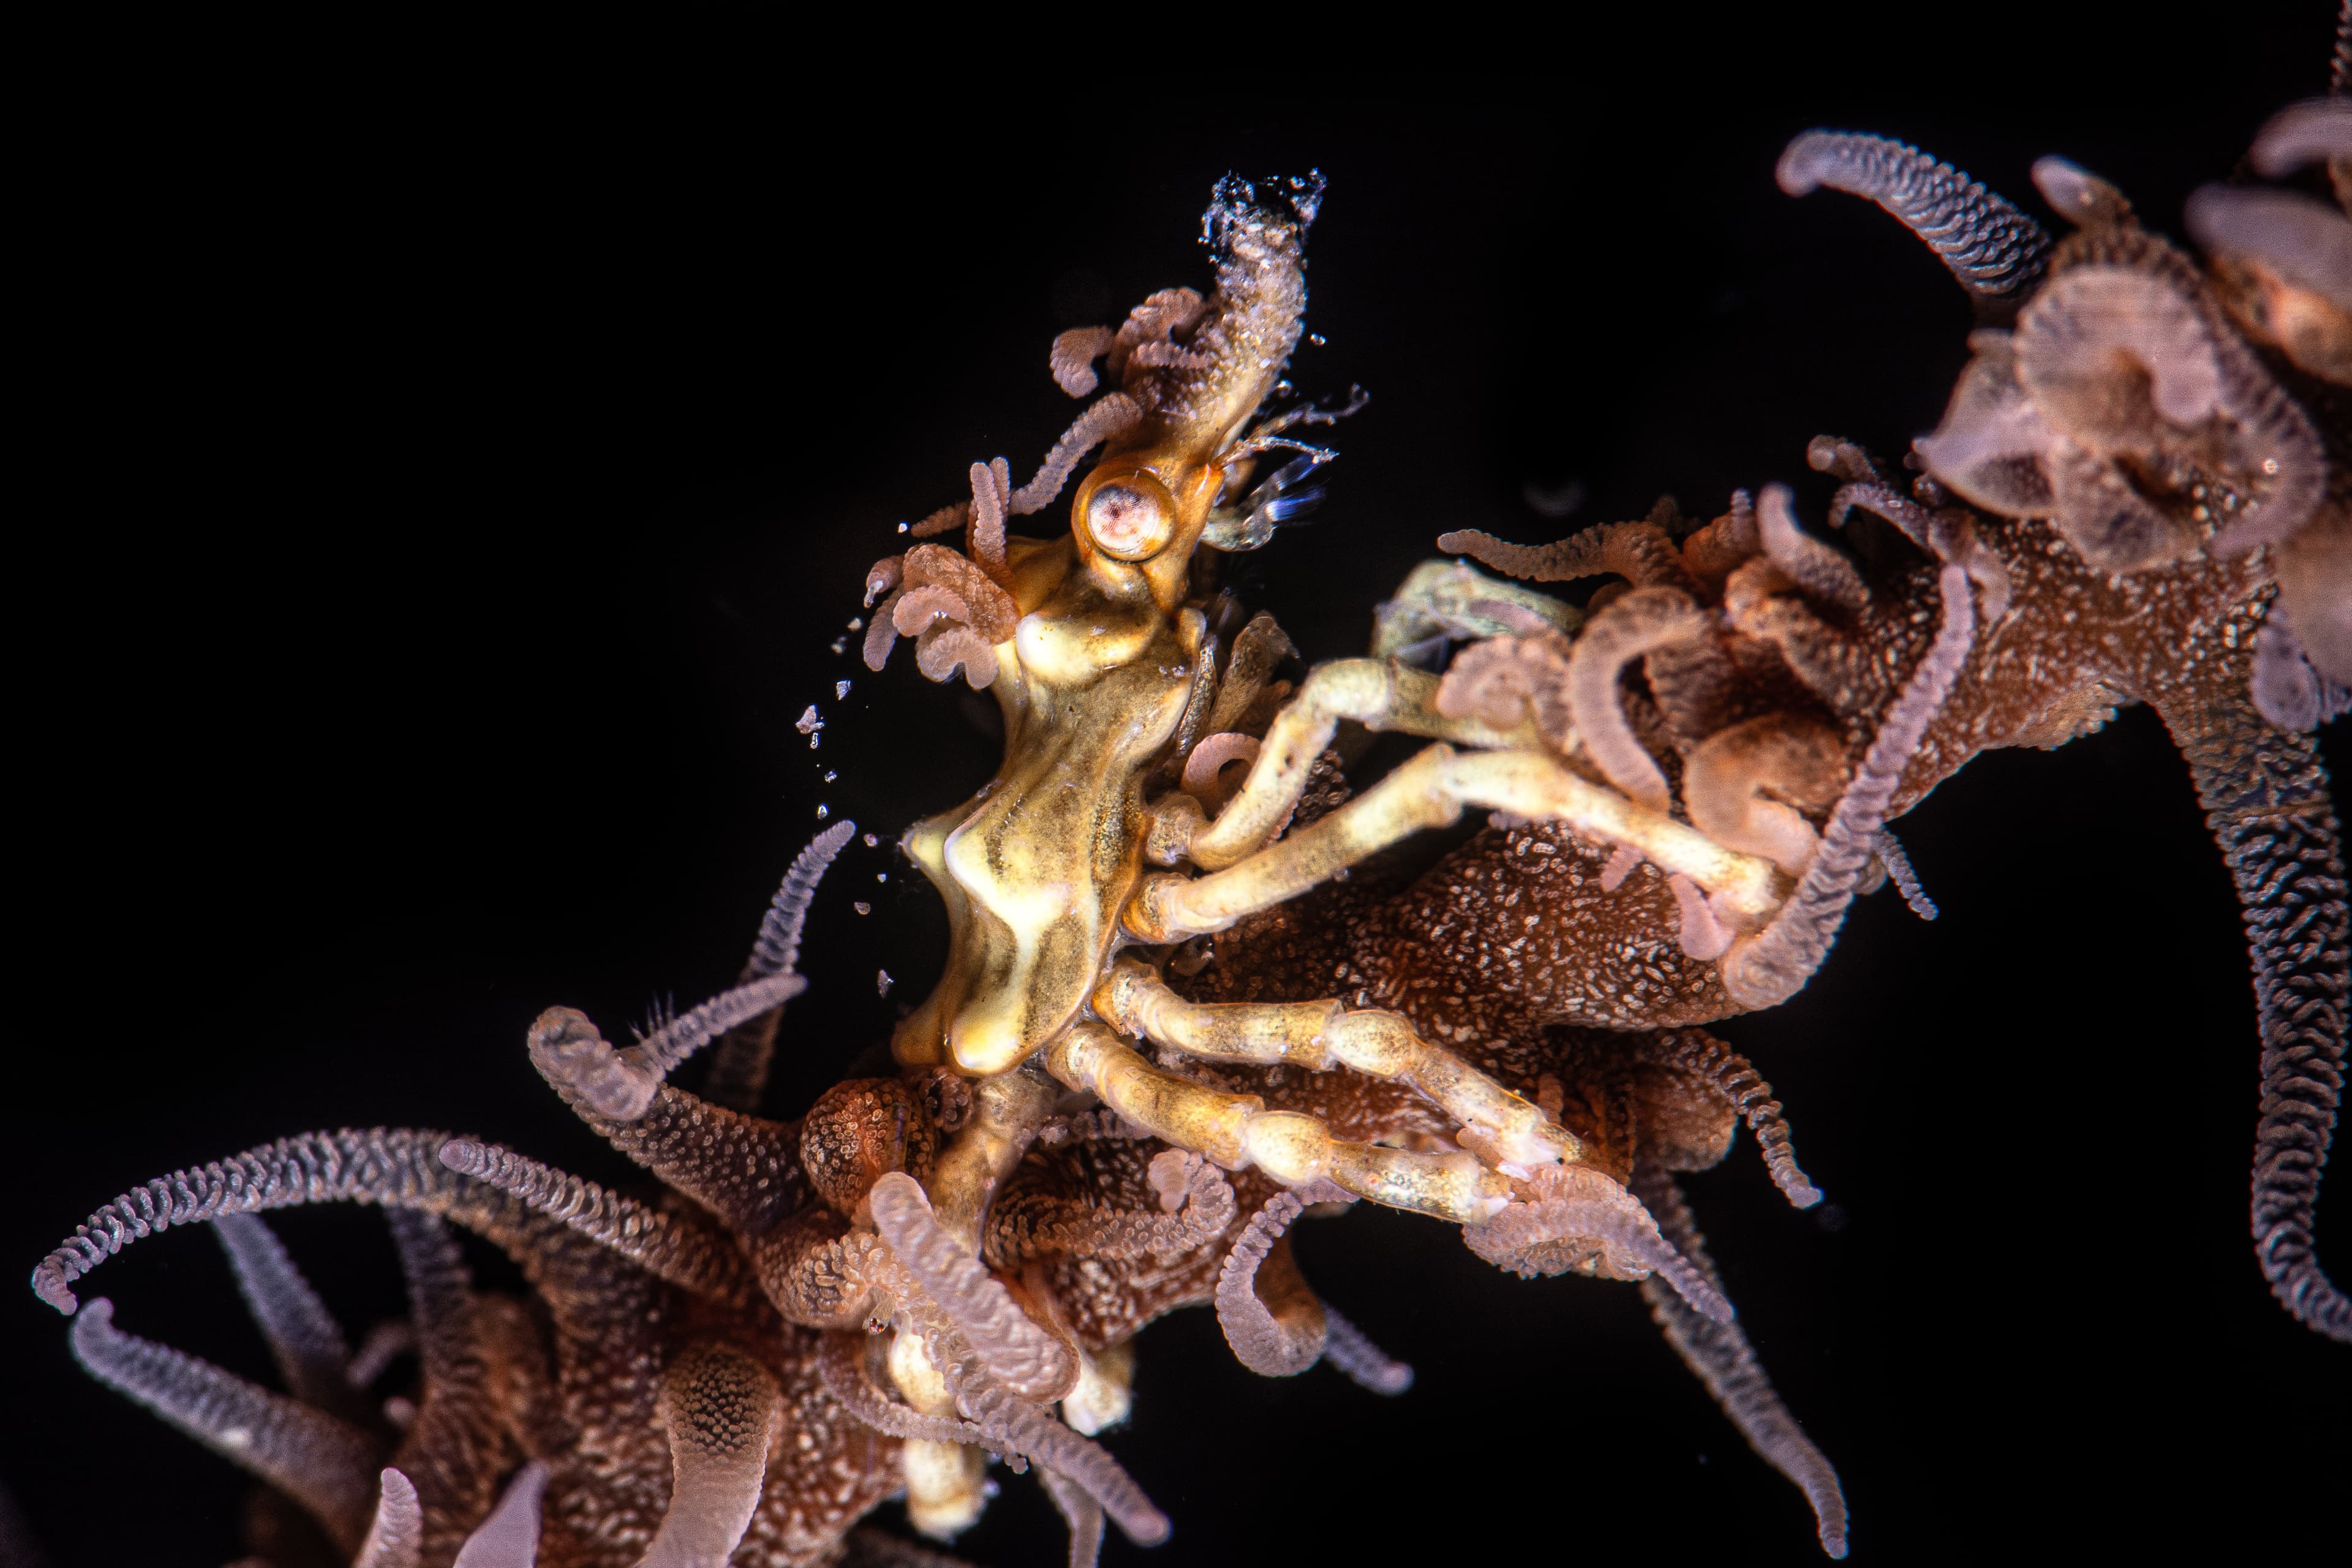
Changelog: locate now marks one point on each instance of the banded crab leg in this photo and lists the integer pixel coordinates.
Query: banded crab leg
(1321, 1035)
(1430, 791)
(1237, 1131)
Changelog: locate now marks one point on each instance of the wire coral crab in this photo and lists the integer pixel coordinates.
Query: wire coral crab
(1694, 771)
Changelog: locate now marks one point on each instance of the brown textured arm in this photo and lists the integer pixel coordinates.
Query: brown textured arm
(2266, 799)
(745, 1169)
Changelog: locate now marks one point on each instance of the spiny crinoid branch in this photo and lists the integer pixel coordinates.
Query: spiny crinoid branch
(841, 1364)
(1767, 968)
(1899, 871)
(398, 1167)
(305, 1342)
(1719, 1354)
(323, 1464)
(1270, 1344)
(739, 1066)
(1996, 251)
(1030, 1360)
(1011, 1420)
(1735, 1078)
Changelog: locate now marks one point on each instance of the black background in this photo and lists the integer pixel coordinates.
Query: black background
(449, 464)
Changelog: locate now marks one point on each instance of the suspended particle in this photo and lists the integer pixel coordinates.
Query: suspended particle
(840, 645)
(840, 689)
(862, 908)
(871, 841)
(882, 982)
(821, 813)
(808, 723)
(830, 775)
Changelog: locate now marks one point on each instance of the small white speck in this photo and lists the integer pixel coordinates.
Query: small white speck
(902, 528)
(862, 908)
(856, 623)
(871, 841)
(840, 645)
(821, 813)
(840, 689)
(882, 876)
(830, 775)
(882, 982)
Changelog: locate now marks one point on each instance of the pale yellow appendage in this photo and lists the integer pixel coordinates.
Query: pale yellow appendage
(1377, 693)
(1323, 1034)
(947, 1483)
(1237, 1131)
(1430, 791)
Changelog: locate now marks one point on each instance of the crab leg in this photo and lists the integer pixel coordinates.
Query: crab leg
(1237, 1131)
(1430, 791)
(1324, 1035)
(1378, 693)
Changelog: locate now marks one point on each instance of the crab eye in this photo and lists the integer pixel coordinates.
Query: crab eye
(1130, 519)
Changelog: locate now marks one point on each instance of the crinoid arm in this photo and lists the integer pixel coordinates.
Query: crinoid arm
(1771, 965)
(2267, 803)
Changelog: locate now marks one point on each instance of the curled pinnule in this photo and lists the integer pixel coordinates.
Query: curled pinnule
(1824, 576)
(992, 611)
(1071, 357)
(2105, 351)
(1502, 682)
(1583, 1223)
(2315, 131)
(1799, 758)
(1629, 628)
(941, 651)
(1990, 446)
(914, 610)
(1209, 759)
(1157, 319)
